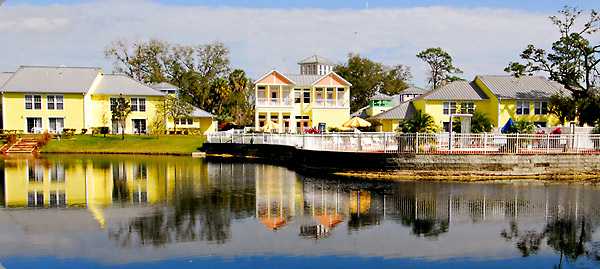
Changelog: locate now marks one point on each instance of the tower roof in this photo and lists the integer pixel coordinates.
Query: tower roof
(316, 59)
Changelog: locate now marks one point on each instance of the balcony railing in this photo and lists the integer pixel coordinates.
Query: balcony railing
(288, 102)
(433, 143)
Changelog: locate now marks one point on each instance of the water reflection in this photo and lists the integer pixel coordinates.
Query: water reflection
(160, 202)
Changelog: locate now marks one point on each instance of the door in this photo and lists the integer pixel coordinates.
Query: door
(139, 126)
(34, 125)
(55, 125)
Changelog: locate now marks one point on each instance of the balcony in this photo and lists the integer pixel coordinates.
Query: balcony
(274, 102)
(321, 103)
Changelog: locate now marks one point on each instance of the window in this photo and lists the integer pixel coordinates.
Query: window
(540, 108)
(137, 104)
(57, 173)
(55, 102)
(449, 108)
(467, 107)
(297, 96)
(540, 124)
(522, 108)
(35, 172)
(340, 96)
(306, 96)
(113, 103)
(190, 121)
(33, 101)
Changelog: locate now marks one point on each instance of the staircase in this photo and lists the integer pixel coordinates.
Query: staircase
(23, 145)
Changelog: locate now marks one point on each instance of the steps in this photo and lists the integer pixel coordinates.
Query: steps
(23, 145)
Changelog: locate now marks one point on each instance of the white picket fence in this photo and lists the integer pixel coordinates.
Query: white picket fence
(423, 142)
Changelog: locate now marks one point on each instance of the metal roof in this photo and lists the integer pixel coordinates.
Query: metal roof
(456, 90)
(199, 113)
(164, 86)
(413, 90)
(122, 84)
(381, 96)
(524, 87)
(304, 80)
(4, 77)
(51, 79)
(316, 59)
(405, 110)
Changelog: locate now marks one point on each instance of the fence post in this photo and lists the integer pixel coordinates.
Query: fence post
(417, 143)
(384, 142)
(548, 143)
(485, 142)
(517, 145)
(322, 142)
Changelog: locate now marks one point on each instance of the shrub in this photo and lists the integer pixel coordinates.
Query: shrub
(43, 140)
(84, 131)
(11, 139)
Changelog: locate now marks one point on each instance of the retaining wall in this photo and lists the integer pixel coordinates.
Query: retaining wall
(451, 164)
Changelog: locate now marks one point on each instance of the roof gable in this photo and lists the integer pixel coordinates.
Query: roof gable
(332, 79)
(48, 79)
(275, 78)
(405, 110)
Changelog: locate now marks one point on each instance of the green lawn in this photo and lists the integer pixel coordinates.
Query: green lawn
(132, 144)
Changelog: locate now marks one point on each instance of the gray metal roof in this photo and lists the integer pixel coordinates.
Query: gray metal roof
(413, 90)
(405, 110)
(199, 113)
(381, 96)
(316, 59)
(456, 90)
(361, 112)
(164, 86)
(49, 79)
(304, 80)
(525, 87)
(4, 77)
(122, 84)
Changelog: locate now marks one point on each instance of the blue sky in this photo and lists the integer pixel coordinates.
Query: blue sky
(482, 36)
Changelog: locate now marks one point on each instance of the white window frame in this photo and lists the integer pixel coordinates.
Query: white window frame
(449, 107)
(522, 105)
(137, 104)
(466, 108)
(32, 101)
(538, 108)
(56, 105)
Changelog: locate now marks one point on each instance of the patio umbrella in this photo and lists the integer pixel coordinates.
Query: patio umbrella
(510, 124)
(356, 122)
(270, 126)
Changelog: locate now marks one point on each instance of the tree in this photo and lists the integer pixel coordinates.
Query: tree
(524, 127)
(563, 107)
(480, 122)
(193, 69)
(176, 108)
(157, 125)
(573, 62)
(240, 109)
(120, 111)
(440, 66)
(419, 123)
(369, 78)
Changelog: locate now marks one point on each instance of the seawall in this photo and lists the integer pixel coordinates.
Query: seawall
(417, 165)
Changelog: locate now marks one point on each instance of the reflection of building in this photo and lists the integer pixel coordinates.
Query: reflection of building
(278, 195)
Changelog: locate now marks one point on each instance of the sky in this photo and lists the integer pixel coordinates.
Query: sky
(481, 36)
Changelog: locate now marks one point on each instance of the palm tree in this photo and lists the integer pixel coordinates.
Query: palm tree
(480, 122)
(419, 123)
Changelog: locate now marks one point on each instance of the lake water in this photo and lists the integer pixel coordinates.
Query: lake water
(159, 211)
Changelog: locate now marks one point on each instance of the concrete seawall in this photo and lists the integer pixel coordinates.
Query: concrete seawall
(417, 165)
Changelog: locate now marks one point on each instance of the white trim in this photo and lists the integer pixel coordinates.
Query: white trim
(271, 72)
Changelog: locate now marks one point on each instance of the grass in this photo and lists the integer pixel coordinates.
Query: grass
(165, 144)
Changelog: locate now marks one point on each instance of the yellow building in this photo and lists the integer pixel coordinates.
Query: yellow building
(501, 97)
(40, 98)
(315, 97)
(199, 121)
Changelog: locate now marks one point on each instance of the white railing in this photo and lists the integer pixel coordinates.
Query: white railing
(274, 102)
(441, 143)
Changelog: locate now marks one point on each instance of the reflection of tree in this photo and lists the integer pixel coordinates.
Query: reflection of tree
(430, 228)
(565, 235)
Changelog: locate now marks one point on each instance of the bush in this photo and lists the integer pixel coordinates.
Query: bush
(43, 140)
(11, 139)
(84, 131)
(68, 132)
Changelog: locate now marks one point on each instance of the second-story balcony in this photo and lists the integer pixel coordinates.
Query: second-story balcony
(288, 102)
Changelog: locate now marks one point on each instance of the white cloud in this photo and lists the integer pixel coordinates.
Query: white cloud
(480, 40)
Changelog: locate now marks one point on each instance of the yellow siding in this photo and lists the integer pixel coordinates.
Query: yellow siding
(101, 106)
(15, 115)
(332, 118)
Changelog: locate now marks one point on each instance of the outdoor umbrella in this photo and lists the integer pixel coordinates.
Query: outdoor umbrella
(270, 126)
(356, 122)
(510, 124)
